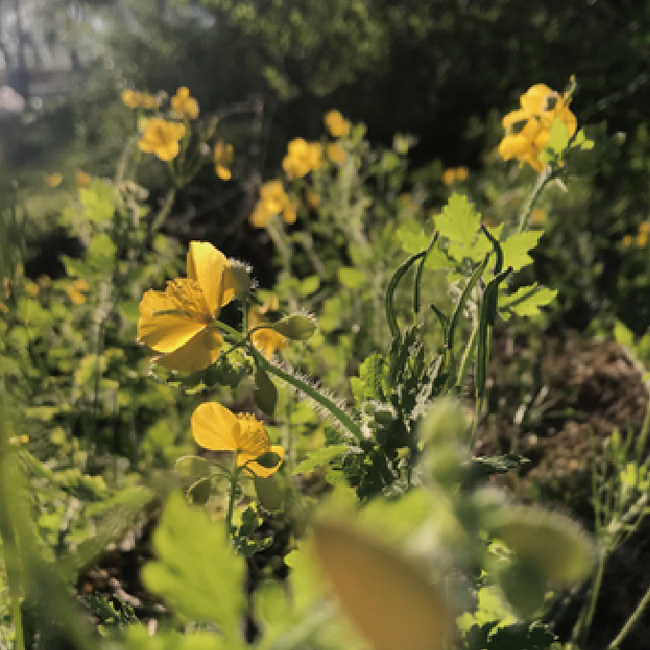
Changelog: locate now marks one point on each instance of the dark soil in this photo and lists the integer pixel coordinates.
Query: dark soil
(556, 402)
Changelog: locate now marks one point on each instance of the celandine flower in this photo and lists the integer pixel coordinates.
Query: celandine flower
(136, 99)
(528, 128)
(183, 104)
(161, 138)
(217, 428)
(178, 323)
(336, 124)
(223, 156)
(302, 157)
(273, 200)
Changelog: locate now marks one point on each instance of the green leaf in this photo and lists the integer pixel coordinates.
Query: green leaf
(516, 248)
(558, 139)
(97, 201)
(351, 278)
(101, 252)
(528, 300)
(199, 492)
(413, 237)
(192, 466)
(319, 458)
(459, 221)
(265, 394)
(196, 573)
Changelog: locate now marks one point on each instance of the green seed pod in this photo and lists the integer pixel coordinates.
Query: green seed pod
(298, 327)
(559, 549)
(269, 492)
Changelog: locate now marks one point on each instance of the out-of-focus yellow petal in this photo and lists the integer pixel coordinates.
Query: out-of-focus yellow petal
(514, 146)
(267, 341)
(513, 117)
(162, 325)
(214, 427)
(207, 265)
(198, 353)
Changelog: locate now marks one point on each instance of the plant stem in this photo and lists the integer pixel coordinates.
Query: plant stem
(631, 622)
(581, 629)
(234, 476)
(310, 391)
(542, 179)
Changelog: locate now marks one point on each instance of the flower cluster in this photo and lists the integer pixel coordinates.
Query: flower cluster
(455, 175)
(528, 128)
(273, 200)
(136, 99)
(161, 138)
(179, 325)
(302, 157)
(184, 105)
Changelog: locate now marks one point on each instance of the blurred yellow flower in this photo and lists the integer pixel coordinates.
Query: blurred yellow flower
(161, 138)
(75, 295)
(266, 340)
(223, 156)
(184, 105)
(135, 99)
(538, 216)
(627, 241)
(82, 179)
(31, 288)
(54, 180)
(336, 124)
(455, 174)
(217, 428)
(641, 239)
(644, 227)
(528, 128)
(302, 157)
(273, 200)
(312, 199)
(178, 323)
(335, 153)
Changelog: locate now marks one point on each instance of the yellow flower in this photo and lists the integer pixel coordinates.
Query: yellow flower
(336, 124)
(528, 128)
(131, 98)
(223, 157)
(644, 227)
(266, 340)
(184, 104)
(455, 174)
(336, 153)
(302, 157)
(642, 239)
(313, 199)
(217, 428)
(273, 200)
(178, 323)
(161, 138)
(538, 216)
(54, 180)
(32, 289)
(627, 241)
(82, 179)
(75, 295)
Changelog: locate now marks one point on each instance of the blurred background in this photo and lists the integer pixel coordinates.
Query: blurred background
(443, 71)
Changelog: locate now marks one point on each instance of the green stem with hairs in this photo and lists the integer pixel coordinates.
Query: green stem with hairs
(310, 391)
(542, 180)
(234, 477)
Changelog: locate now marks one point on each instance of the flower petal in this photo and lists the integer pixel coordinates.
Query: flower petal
(253, 468)
(164, 332)
(197, 354)
(207, 265)
(214, 427)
